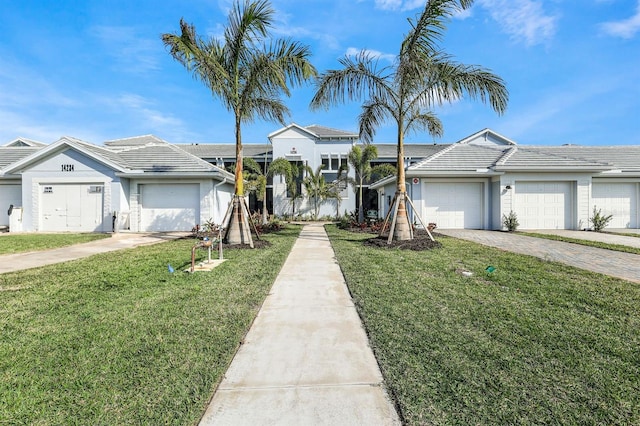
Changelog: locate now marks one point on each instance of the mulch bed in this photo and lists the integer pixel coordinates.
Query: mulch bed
(420, 241)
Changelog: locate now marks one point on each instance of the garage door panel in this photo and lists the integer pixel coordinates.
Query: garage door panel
(169, 207)
(71, 207)
(619, 200)
(543, 205)
(453, 205)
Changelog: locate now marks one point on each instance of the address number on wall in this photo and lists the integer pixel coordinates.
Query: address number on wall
(67, 167)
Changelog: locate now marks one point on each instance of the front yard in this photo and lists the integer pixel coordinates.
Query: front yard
(532, 342)
(117, 339)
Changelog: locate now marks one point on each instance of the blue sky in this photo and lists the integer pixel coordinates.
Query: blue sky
(97, 70)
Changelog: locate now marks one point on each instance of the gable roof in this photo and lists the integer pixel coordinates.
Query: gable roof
(24, 142)
(92, 151)
(317, 132)
(486, 137)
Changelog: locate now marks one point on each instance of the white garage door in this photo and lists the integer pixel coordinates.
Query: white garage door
(9, 194)
(453, 205)
(169, 207)
(71, 207)
(543, 205)
(619, 200)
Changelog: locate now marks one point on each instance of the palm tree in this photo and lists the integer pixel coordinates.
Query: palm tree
(421, 78)
(317, 188)
(248, 76)
(290, 171)
(257, 183)
(360, 160)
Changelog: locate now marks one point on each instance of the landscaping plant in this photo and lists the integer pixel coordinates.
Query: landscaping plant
(598, 220)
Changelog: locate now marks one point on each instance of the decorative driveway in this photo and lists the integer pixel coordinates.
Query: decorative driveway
(609, 262)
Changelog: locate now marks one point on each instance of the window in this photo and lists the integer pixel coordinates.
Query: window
(325, 162)
(333, 161)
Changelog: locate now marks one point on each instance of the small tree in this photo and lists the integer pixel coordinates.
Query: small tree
(257, 183)
(360, 160)
(510, 221)
(317, 188)
(598, 220)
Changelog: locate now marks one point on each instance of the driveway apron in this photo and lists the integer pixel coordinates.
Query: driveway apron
(608, 262)
(306, 359)
(20, 261)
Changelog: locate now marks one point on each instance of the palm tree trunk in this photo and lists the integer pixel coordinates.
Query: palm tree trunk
(265, 213)
(360, 208)
(238, 230)
(402, 228)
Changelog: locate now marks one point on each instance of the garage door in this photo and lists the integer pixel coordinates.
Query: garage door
(543, 205)
(169, 207)
(9, 194)
(619, 200)
(71, 207)
(453, 205)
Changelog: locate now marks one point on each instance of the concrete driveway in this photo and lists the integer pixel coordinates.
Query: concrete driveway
(613, 263)
(119, 241)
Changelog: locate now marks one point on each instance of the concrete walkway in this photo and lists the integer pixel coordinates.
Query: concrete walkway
(119, 241)
(613, 263)
(306, 359)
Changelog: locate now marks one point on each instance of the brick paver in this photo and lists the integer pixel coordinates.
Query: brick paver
(613, 263)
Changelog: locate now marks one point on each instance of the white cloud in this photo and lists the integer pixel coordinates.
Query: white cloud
(524, 20)
(352, 51)
(132, 52)
(402, 5)
(626, 28)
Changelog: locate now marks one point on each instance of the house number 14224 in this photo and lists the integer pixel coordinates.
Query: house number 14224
(67, 167)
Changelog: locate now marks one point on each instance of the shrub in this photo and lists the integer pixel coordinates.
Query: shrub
(510, 221)
(598, 220)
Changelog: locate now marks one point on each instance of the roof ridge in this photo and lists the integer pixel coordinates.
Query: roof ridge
(508, 153)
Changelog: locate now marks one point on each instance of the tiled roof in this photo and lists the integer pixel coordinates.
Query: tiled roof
(390, 150)
(105, 153)
(461, 158)
(329, 133)
(164, 158)
(18, 142)
(226, 150)
(526, 158)
(625, 158)
(134, 141)
(9, 155)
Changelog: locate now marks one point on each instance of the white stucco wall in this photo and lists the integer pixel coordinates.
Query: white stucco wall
(67, 167)
(296, 145)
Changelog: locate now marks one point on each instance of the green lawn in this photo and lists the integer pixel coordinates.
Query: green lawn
(117, 339)
(598, 244)
(20, 243)
(534, 342)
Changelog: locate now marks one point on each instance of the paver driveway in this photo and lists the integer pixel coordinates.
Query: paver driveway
(613, 263)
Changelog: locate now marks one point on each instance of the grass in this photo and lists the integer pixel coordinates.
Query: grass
(534, 342)
(626, 234)
(117, 339)
(598, 244)
(20, 243)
